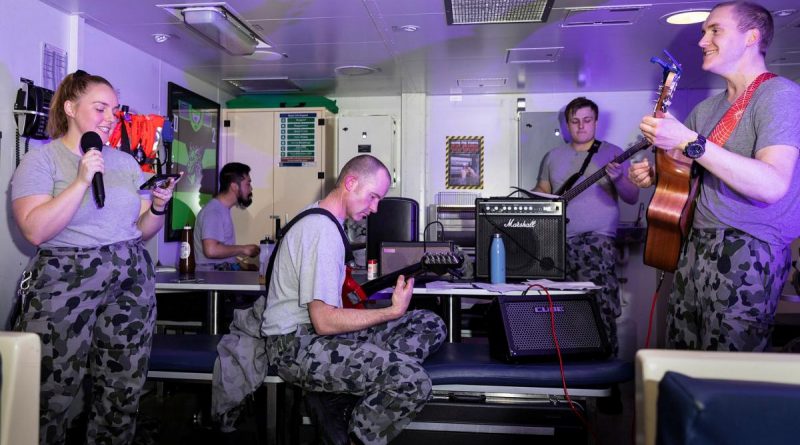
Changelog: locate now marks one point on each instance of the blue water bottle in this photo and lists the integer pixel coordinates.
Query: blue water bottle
(497, 260)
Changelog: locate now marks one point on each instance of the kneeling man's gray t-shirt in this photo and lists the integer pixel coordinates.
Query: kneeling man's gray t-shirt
(309, 266)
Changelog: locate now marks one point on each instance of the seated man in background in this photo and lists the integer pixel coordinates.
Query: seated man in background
(214, 238)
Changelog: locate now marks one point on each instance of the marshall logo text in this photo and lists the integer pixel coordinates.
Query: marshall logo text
(513, 223)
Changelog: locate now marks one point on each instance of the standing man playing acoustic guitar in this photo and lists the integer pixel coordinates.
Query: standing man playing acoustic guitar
(594, 214)
(317, 344)
(734, 265)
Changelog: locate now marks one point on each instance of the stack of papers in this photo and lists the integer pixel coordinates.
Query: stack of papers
(515, 287)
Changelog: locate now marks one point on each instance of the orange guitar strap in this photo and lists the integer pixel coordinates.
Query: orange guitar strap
(724, 128)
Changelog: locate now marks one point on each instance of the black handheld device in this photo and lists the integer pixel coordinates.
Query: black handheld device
(159, 181)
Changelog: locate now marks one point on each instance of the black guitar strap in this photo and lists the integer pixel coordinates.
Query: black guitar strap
(574, 178)
(348, 251)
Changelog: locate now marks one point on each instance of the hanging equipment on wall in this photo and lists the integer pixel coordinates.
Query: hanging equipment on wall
(138, 135)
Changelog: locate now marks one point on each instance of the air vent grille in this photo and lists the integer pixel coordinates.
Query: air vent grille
(264, 84)
(468, 12)
(533, 55)
(482, 83)
(623, 15)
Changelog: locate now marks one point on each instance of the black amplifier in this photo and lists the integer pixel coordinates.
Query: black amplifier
(534, 236)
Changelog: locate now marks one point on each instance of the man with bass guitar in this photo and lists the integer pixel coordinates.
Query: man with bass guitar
(733, 266)
(323, 347)
(594, 214)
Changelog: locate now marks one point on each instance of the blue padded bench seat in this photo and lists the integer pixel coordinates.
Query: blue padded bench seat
(704, 411)
(192, 357)
(470, 364)
(187, 356)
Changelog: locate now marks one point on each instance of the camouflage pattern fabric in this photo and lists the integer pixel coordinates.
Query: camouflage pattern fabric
(94, 309)
(593, 257)
(725, 292)
(382, 364)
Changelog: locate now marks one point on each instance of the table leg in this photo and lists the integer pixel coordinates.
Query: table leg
(213, 311)
(451, 309)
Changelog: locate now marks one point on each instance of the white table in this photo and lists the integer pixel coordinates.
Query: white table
(451, 303)
(212, 282)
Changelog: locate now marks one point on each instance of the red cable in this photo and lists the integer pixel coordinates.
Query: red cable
(652, 311)
(561, 364)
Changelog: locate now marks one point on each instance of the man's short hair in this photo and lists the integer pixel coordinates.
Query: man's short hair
(578, 103)
(753, 16)
(230, 173)
(361, 166)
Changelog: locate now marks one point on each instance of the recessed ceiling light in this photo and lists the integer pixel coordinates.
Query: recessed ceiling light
(161, 38)
(406, 28)
(687, 17)
(354, 70)
(784, 12)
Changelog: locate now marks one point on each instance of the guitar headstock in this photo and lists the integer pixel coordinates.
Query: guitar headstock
(441, 263)
(672, 73)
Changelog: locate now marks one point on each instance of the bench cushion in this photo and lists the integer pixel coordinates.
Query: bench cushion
(184, 353)
(453, 364)
(470, 364)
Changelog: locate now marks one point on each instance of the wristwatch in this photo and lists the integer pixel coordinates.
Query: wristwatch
(696, 148)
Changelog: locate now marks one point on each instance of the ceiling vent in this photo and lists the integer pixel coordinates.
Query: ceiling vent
(482, 83)
(470, 12)
(533, 55)
(618, 15)
(264, 84)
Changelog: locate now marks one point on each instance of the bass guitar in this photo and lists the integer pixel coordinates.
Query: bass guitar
(354, 295)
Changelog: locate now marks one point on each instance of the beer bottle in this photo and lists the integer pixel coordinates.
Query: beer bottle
(186, 263)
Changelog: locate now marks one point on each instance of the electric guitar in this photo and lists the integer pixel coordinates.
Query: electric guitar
(354, 295)
(672, 73)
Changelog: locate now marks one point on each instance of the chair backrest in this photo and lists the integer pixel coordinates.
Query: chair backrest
(652, 364)
(397, 219)
(21, 357)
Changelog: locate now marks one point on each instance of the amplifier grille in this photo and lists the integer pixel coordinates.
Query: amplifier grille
(519, 328)
(531, 323)
(534, 242)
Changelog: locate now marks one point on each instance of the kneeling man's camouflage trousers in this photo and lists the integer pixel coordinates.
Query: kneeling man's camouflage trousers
(382, 364)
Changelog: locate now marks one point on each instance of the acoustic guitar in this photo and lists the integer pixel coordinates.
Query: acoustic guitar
(670, 212)
(354, 295)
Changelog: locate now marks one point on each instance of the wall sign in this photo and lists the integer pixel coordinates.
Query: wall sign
(464, 162)
(297, 139)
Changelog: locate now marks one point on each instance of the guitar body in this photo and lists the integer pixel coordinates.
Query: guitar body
(669, 215)
(354, 295)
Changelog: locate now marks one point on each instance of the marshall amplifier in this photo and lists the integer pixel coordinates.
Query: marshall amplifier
(520, 328)
(533, 234)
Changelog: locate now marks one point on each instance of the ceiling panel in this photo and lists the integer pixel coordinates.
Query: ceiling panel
(319, 30)
(319, 35)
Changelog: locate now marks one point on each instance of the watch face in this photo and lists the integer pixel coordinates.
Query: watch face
(694, 150)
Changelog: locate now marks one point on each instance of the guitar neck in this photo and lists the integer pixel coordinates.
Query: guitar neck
(599, 174)
(388, 280)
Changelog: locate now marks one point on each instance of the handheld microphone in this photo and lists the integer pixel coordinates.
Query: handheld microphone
(91, 141)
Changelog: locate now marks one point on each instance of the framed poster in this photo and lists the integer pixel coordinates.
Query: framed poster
(464, 162)
(195, 152)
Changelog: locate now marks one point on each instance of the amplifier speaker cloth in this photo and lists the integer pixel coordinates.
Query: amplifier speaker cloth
(533, 234)
(520, 328)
